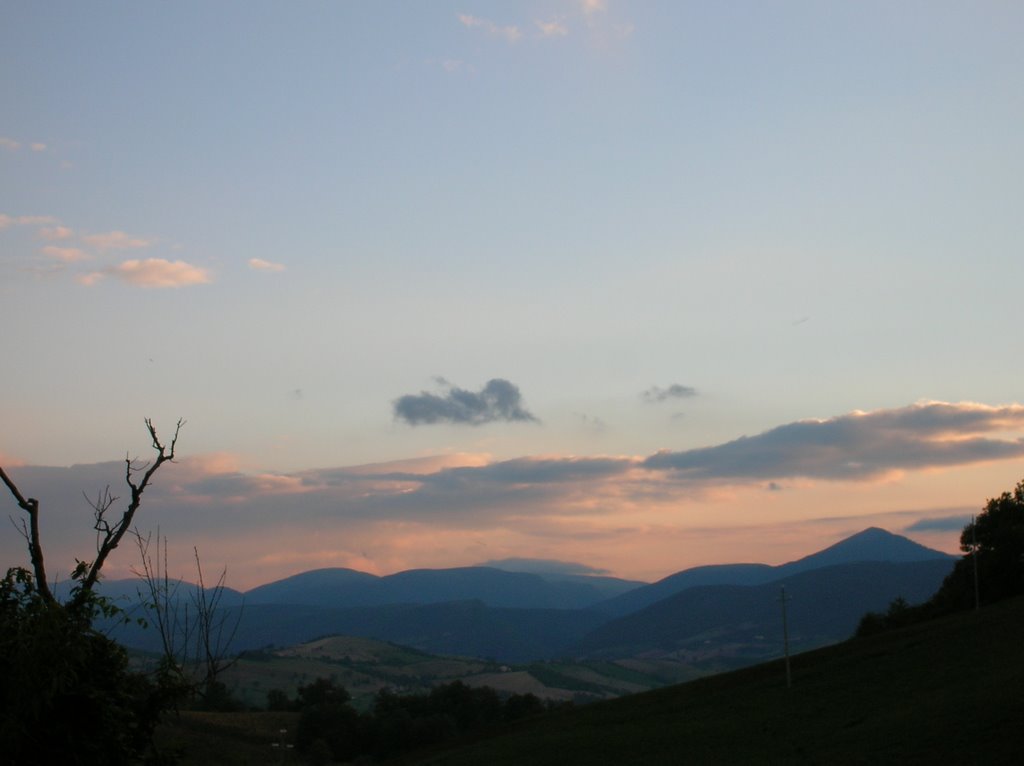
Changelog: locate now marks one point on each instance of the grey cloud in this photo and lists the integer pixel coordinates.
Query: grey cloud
(657, 394)
(591, 422)
(855, 446)
(543, 566)
(497, 400)
(940, 524)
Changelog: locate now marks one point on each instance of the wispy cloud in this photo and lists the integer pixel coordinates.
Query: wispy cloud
(553, 28)
(7, 221)
(657, 394)
(261, 265)
(12, 146)
(590, 7)
(498, 400)
(115, 240)
(56, 232)
(89, 279)
(158, 272)
(511, 33)
(64, 254)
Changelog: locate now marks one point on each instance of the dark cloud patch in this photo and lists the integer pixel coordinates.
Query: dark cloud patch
(591, 423)
(543, 566)
(497, 400)
(856, 446)
(774, 486)
(657, 394)
(940, 524)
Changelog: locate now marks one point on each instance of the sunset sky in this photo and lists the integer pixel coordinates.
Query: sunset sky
(635, 285)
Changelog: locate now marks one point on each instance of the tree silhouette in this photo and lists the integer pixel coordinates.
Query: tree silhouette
(994, 546)
(67, 694)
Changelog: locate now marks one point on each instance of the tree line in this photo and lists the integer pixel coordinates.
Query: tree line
(991, 569)
(331, 729)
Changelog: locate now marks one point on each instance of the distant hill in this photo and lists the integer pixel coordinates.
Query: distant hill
(715, 574)
(456, 628)
(318, 587)
(872, 544)
(340, 588)
(562, 571)
(126, 591)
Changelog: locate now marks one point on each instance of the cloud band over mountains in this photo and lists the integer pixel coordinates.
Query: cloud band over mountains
(472, 495)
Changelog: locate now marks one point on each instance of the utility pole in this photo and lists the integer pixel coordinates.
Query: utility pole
(783, 598)
(974, 559)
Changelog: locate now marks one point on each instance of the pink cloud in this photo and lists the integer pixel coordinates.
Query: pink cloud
(158, 272)
(37, 147)
(115, 240)
(9, 144)
(90, 279)
(511, 33)
(552, 28)
(65, 254)
(8, 460)
(25, 220)
(56, 232)
(261, 265)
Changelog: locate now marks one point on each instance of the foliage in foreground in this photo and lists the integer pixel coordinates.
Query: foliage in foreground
(67, 694)
(329, 725)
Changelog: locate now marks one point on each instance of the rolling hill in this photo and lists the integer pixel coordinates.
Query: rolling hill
(722, 625)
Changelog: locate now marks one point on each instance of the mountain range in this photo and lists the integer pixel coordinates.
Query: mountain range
(719, 614)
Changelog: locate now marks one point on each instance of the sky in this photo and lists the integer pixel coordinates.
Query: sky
(633, 285)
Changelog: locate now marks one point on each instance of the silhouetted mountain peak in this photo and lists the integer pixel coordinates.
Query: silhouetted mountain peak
(871, 544)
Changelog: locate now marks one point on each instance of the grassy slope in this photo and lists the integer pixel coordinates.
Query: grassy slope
(227, 739)
(949, 692)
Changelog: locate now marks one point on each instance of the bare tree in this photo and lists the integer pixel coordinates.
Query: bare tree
(195, 632)
(109, 532)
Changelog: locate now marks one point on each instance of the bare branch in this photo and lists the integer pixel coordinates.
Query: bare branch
(35, 547)
(111, 534)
